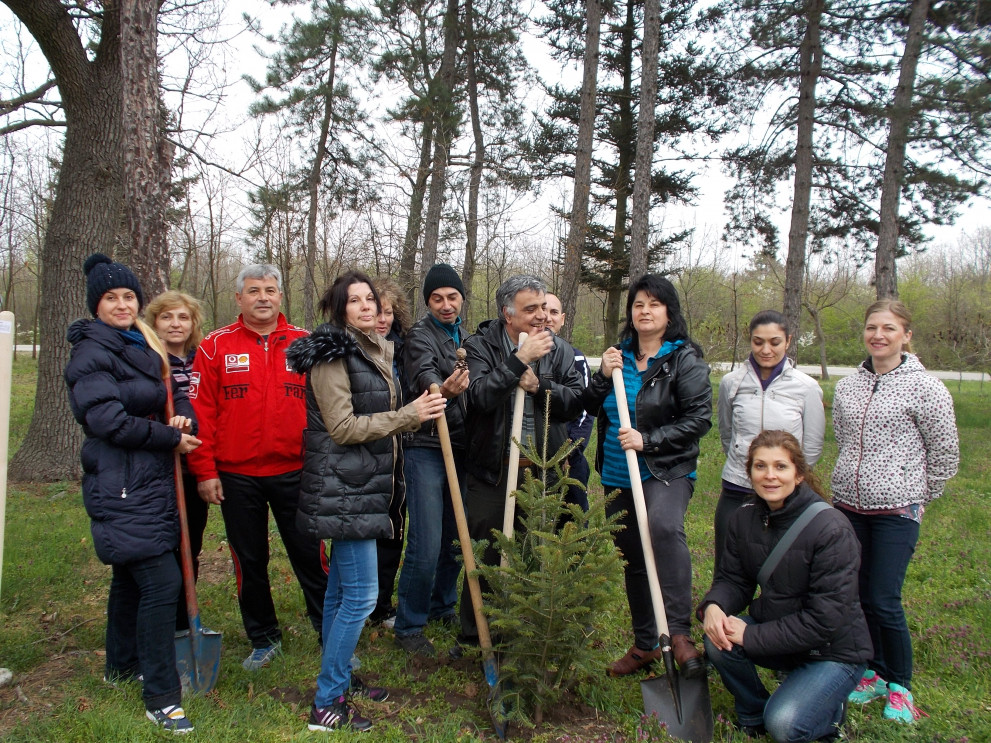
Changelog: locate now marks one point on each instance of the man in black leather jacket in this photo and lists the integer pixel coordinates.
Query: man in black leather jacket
(497, 366)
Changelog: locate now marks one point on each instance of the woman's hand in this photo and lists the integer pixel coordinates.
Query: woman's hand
(715, 627)
(429, 405)
(612, 358)
(734, 627)
(630, 438)
(187, 443)
(181, 422)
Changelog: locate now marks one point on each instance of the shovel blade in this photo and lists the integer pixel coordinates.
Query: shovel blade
(695, 724)
(198, 666)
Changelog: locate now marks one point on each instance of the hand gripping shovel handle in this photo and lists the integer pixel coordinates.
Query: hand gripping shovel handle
(636, 485)
(513, 471)
(474, 590)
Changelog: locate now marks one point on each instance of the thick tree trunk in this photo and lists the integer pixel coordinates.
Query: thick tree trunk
(147, 156)
(900, 117)
(313, 187)
(87, 215)
(810, 65)
(640, 228)
(477, 164)
(578, 226)
(445, 118)
(414, 221)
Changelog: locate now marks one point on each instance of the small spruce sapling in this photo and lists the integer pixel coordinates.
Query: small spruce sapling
(545, 604)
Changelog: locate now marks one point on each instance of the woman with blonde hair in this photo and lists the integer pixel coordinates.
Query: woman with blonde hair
(177, 319)
(897, 438)
(116, 377)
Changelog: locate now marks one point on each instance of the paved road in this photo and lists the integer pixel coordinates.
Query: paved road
(816, 371)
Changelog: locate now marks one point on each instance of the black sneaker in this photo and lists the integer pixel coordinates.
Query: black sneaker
(171, 718)
(336, 717)
(416, 644)
(362, 690)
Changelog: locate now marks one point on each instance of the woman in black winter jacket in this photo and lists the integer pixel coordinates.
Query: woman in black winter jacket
(116, 378)
(351, 464)
(807, 620)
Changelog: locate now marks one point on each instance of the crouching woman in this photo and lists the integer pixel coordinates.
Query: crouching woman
(352, 465)
(807, 621)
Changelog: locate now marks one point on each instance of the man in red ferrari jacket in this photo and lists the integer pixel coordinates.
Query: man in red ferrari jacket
(252, 411)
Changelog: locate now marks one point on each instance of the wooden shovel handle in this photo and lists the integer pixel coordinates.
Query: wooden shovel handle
(636, 485)
(513, 472)
(484, 638)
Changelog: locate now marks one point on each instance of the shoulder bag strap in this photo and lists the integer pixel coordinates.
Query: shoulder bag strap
(786, 541)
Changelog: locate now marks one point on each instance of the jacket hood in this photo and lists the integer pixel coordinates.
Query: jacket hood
(84, 329)
(323, 345)
(911, 365)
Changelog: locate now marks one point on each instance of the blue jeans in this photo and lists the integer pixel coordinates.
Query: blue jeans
(807, 704)
(352, 586)
(887, 544)
(141, 613)
(428, 581)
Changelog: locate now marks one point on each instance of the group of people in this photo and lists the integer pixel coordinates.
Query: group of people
(335, 432)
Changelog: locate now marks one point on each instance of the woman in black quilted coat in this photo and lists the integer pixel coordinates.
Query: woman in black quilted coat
(806, 622)
(117, 392)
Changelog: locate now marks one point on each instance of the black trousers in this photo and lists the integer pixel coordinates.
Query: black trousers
(245, 509)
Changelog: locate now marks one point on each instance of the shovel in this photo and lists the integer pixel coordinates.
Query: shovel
(197, 654)
(513, 471)
(499, 719)
(684, 707)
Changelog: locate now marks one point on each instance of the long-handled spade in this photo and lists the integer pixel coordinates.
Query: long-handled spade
(496, 710)
(686, 710)
(197, 654)
(513, 470)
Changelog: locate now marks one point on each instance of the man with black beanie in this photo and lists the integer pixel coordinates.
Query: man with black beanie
(428, 580)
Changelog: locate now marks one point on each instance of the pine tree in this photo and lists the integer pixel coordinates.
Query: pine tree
(546, 601)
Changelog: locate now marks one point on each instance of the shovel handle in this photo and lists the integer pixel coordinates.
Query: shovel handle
(636, 485)
(185, 549)
(474, 590)
(513, 472)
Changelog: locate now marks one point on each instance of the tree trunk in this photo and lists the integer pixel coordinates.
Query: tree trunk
(414, 221)
(86, 215)
(578, 226)
(810, 65)
(821, 339)
(445, 118)
(478, 162)
(900, 117)
(640, 228)
(147, 156)
(313, 187)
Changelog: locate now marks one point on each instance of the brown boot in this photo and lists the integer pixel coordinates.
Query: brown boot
(688, 658)
(634, 660)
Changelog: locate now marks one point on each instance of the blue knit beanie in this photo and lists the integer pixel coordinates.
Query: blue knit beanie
(102, 275)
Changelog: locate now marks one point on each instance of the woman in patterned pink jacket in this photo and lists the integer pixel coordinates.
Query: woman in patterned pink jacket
(897, 436)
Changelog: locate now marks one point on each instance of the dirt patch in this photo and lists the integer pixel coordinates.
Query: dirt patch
(33, 694)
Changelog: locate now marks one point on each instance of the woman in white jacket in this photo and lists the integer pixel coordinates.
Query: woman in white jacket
(766, 392)
(897, 436)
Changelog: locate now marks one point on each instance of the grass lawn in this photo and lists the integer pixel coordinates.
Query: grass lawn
(54, 596)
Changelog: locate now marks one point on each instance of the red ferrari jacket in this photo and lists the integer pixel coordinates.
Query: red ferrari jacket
(250, 408)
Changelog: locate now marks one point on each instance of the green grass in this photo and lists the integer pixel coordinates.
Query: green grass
(54, 594)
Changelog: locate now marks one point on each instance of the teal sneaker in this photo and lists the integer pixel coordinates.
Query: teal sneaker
(901, 707)
(870, 687)
(261, 657)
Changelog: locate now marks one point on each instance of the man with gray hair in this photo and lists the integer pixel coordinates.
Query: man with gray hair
(251, 410)
(497, 365)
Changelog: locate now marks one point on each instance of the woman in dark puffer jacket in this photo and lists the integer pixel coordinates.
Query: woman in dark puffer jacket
(807, 620)
(116, 390)
(351, 462)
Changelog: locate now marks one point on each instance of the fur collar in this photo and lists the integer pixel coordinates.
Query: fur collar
(326, 343)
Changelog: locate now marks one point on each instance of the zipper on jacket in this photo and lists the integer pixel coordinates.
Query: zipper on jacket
(860, 455)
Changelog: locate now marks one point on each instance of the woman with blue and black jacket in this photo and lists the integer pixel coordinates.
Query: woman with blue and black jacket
(116, 377)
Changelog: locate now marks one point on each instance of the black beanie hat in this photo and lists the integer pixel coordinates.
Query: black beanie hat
(102, 275)
(441, 275)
